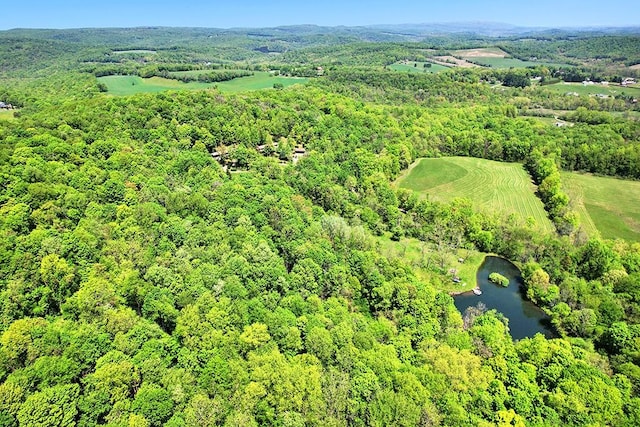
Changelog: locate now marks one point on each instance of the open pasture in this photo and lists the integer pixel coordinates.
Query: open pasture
(129, 85)
(607, 206)
(497, 187)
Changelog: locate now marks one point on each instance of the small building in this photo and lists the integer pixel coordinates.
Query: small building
(298, 153)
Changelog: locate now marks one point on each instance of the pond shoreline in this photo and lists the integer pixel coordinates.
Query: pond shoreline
(525, 318)
(468, 292)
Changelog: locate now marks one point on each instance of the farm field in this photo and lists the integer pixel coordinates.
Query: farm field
(495, 62)
(594, 89)
(607, 206)
(492, 186)
(452, 61)
(418, 68)
(129, 85)
(497, 58)
(484, 52)
(260, 80)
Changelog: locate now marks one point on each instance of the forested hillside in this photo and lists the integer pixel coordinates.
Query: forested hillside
(196, 258)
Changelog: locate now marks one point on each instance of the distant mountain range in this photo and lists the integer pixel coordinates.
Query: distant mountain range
(382, 32)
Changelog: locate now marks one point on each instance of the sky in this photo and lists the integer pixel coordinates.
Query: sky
(270, 13)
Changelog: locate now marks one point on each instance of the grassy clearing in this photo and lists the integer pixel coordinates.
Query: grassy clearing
(7, 114)
(432, 266)
(129, 85)
(608, 207)
(595, 89)
(492, 186)
(260, 80)
(417, 67)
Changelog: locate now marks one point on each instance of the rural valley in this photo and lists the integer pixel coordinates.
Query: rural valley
(402, 225)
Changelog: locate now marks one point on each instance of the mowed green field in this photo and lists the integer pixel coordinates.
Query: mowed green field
(492, 186)
(608, 207)
(129, 85)
(594, 89)
(418, 68)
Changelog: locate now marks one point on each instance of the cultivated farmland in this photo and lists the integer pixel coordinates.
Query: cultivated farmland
(492, 186)
(607, 206)
(497, 58)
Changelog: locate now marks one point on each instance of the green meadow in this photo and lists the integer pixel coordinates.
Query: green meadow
(499, 187)
(607, 206)
(129, 85)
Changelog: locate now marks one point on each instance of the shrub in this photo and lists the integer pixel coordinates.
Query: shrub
(499, 279)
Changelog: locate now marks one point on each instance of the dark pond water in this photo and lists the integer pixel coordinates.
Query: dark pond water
(525, 319)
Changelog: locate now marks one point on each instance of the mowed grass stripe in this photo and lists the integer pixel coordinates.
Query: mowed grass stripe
(608, 206)
(492, 186)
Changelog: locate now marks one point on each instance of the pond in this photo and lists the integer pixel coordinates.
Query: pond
(525, 319)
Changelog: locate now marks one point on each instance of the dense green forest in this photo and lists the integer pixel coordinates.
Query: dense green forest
(145, 282)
